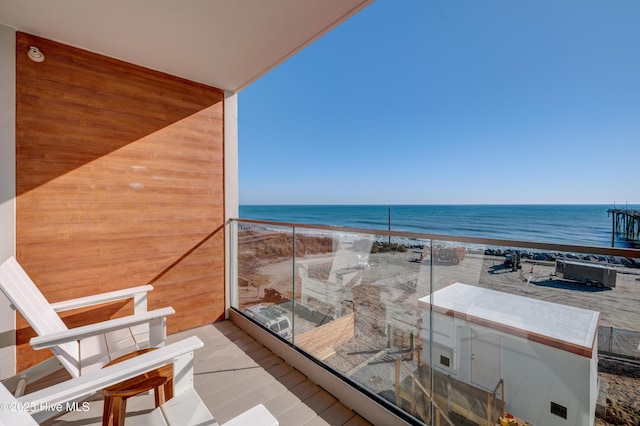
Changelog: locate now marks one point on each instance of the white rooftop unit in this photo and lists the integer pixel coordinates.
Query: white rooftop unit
(545, 353)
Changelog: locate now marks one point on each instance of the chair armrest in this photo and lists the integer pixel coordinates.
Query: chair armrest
(97, 299)
(85, 385)
(79, 333)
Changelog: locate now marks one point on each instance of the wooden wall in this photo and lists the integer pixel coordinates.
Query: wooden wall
(119, 183)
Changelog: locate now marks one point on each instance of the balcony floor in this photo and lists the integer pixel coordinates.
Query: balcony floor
(233, 372)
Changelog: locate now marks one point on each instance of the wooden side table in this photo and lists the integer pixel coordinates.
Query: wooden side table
(115, 397)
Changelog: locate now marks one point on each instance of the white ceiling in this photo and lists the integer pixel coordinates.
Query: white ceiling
(223, 43)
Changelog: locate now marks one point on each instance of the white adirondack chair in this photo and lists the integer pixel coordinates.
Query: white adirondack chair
(184, 409)
(82, 349)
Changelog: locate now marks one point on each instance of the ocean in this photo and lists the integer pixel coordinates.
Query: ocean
(586, 225)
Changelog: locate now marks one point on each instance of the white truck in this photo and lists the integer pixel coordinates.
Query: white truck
(272, 317)
(587, 273)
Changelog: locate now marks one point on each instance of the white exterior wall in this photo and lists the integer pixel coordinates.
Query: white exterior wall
(534, 374)
(231, 200)
(7, 189)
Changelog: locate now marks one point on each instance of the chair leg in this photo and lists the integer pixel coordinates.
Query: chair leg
(168, 389)
(159, 397)
(119, 410)
(107, 411)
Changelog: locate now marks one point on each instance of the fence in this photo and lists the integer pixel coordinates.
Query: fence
(618, 342)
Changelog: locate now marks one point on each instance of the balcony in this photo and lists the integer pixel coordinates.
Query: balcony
(234, 372)
(451, 330)
(349, 326)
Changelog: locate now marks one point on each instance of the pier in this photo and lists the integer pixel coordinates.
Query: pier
(625, 221)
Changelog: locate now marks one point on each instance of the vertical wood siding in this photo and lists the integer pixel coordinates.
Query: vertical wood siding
(119, 183)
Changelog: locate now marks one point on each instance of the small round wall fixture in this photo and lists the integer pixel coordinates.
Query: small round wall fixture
(35, 54)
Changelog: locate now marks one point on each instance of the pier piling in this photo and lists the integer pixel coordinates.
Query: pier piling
(625, 221)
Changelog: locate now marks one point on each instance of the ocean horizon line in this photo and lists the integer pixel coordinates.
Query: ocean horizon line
(615, 205)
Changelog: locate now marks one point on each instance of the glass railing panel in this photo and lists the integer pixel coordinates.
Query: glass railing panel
(511, 331)
(357, 303)
(456, 330)
(264, 270)
(322, 265)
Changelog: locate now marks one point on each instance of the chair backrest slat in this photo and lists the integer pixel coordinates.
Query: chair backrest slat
(34, 307)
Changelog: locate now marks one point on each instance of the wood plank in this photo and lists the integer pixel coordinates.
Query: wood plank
(264, 393)
(357, 421)
(297, 415)
(337, 414)
(282, 403)
(323, 340)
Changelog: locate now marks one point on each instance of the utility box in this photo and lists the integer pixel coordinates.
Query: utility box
(543, 354)
(588, 273)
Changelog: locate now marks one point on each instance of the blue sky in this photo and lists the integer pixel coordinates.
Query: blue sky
(452, 102)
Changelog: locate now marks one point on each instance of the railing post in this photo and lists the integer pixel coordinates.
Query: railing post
(398, 399)
(502, 397)
(611, 339)
(413, 397)
(489, 410)
(613, 229)
(448, 392)
(430, 361)
(234, 299)
(293, 285)
(411, 344)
